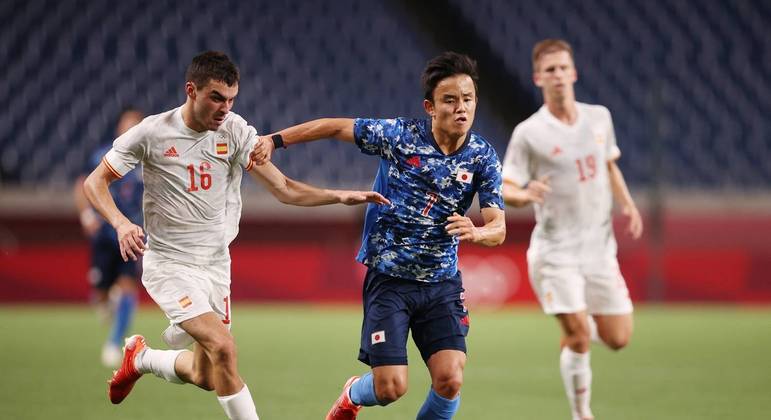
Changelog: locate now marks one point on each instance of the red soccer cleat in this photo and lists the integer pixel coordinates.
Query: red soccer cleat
(344, 409)
(123, 379)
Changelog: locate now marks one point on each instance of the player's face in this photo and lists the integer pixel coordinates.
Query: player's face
(211, 103)
(555, 74)
(455, 102)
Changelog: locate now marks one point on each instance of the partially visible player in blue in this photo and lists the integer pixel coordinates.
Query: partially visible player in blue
(430, 170)
(113, 280)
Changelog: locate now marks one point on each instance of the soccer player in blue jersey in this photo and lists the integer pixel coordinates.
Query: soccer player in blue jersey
(430, 170)
(109, 275)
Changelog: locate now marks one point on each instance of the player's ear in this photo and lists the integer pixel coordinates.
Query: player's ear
(429, 107)
(190, 89)
(536, 79)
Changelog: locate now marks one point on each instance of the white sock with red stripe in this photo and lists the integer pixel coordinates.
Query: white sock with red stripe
(160, 363)
(577, 378)
(239, 406)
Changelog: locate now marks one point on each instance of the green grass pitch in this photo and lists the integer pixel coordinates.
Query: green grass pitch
(683, 363)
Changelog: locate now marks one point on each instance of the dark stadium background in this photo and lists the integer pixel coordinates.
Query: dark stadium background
(687, 82)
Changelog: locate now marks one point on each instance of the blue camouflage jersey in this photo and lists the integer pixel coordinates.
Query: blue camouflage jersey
(408, 239)
(127, 194)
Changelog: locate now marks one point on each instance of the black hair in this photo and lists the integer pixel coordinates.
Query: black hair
(447, 64)
(211, 65)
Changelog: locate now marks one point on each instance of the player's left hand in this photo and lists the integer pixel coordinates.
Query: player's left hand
(463, 228)
(352, 198)
(262, 151)
(635, 227)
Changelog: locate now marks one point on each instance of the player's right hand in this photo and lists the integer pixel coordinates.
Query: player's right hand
(131, 240)
(262, 151)
(352, 198)
(537, 189)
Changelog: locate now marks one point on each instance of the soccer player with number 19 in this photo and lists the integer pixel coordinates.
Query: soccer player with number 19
(563, 160)
(430, 169)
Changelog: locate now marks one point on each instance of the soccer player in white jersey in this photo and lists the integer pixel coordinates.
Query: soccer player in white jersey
(563, 160)
(193, 157)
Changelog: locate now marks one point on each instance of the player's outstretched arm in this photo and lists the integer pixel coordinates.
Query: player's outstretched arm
(289, 191)
(492, 233)
(622, 195)
(323, 128)
(130, 236)
(533, 192)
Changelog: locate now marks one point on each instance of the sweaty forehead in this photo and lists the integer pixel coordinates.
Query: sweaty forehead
(459, 84)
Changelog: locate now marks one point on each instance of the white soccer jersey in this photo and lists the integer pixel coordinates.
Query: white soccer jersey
(192, 197)
(573, 225)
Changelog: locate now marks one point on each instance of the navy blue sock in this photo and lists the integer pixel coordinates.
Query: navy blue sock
(123, 314)
(363, 391)
(437, 407)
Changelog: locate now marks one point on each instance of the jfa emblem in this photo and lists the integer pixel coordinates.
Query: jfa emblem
(464, 176)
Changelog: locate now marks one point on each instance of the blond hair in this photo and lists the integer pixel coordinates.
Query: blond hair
(548, 46)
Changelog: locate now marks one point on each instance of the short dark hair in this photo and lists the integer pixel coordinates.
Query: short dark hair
(447, 64)
(211, 65)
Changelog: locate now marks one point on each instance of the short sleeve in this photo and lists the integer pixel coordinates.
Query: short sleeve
(376, 137)
(127, 150)
(612, 152)
(516, 162)
(245, 137)
(490, 188)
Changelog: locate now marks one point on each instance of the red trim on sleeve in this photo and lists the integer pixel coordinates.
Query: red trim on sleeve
(110, 168)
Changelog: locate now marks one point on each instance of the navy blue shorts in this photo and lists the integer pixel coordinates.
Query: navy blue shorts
(107, 264)
(392, 306)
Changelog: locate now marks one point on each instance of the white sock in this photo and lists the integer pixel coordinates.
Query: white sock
(160, 363)
(593, 334)
(577, 378)
(239, 406)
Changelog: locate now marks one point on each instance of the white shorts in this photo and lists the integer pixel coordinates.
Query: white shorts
(598, 289)
(184, 291)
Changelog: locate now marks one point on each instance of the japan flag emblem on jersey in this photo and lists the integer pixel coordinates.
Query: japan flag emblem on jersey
(464, 176)
(378, 337)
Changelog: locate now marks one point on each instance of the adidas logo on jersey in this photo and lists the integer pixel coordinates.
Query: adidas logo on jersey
(171, 153)
(556, 151)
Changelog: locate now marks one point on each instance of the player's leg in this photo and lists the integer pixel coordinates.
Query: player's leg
(439, 330)
(214, 364)
(443, 400)
(103, 275)
(575, 366)
(383, 347)
(100, 278)
(125, 295)
(561, 292)
(609, 302)
(615, 330)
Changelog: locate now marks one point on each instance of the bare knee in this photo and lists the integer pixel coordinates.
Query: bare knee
(578, 341)
(223, 352)
(448, 385)
(616, 342)
(390, 389)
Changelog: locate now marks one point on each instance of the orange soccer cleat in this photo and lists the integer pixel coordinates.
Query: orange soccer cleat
(344, 408)
(123, 379)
